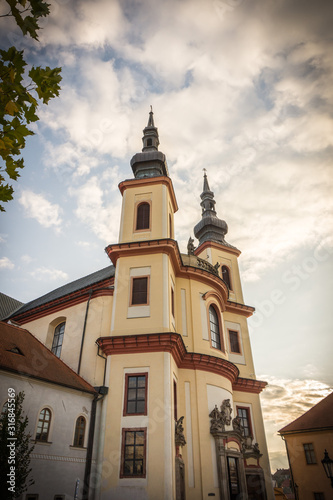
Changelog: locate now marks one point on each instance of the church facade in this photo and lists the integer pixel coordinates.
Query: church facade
(163, 336)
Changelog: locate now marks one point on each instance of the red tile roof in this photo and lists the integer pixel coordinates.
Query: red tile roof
(317, 418)
(22, 353)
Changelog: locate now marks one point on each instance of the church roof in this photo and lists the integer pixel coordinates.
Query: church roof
(21, 352)
(74, 286)
(319, 417)
(8, 305)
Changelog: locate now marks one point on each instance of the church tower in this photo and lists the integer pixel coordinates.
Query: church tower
(162, 336)
(182, 418)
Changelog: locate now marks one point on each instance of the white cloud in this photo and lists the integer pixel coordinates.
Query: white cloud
(6, 263)
(26, 259)
(94, 209)
(43, 273)
(282, 402)
(39, 208)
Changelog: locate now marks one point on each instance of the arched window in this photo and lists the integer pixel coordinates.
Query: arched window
(58, 339)
(226, 276)
(43, 426)
(214, 328)
(80, 428)
(143, 216)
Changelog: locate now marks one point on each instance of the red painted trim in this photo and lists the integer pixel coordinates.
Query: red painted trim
(172, 343)
(169, 247)
(69, 300)
(148, 181)
(237, 308)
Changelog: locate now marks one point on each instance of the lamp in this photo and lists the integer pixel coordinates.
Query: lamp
(328, 466)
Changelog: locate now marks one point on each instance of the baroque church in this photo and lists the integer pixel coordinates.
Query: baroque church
(147, 390)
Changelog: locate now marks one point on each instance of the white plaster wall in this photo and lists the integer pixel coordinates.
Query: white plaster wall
(55, 465)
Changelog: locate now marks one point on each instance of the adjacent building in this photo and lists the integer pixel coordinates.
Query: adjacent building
(306, 440)
(165, 334)
(59, 405)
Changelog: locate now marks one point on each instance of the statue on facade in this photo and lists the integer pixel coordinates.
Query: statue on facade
(237, 425)
(226, 411)
(190, 246)
(179, 433)
(216, 422)
(216, 267)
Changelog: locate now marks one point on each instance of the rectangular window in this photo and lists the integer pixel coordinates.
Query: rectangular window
(175, 400)
(319, 496)
(139, 294)
(244, 414)
(234, 342)
(133, 456)
(136, 394)
(310, 456)
(172, 302)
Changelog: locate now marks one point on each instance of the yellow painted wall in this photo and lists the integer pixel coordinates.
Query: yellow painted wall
(98, 324)
(310, 478)
(225, 257)
(161, 206)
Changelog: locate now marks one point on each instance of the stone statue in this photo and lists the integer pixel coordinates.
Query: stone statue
(237, 425)
(226, 411)
(216, 267)
(190, 246)
(216, 422)
(179, 433)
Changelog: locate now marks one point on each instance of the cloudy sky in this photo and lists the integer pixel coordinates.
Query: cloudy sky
(242, 88)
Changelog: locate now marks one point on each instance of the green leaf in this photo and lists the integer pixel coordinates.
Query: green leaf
(6, 194)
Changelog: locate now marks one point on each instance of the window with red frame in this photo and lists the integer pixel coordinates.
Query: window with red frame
(133, 460)
(140, 291)
(244, 414)
(234, 342)
(136, 394)
(214, 324)
(143, 216)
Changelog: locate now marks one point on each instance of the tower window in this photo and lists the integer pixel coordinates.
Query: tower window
(80, 428)
(43, 426)
(214, 324)
(226, 276)
(234, 342)
(143, 216)
(133, 459)
(136, 394)
(140, 291)
(58, 339)
(149, 142)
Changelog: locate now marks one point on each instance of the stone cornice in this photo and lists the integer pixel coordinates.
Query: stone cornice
(149, 181)
(172, 343)
(237, 308)
(169, 247)
(99, 290)
(249, 385)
